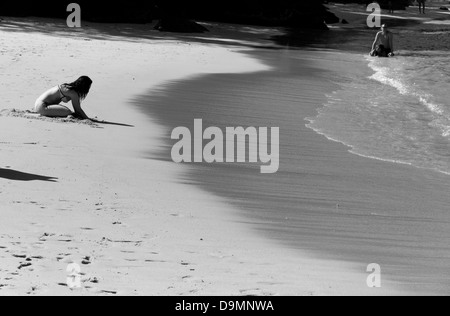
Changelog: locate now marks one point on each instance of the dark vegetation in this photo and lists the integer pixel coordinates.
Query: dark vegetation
(178, 16)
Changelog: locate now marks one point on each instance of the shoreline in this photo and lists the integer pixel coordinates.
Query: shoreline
(382, 205)
(354, 148)
(233, 182)
(137, 229)
(408, 183)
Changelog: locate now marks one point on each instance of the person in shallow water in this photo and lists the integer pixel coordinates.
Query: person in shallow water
(391, 7)
(383, 46)
(421, 6)
(48, 104)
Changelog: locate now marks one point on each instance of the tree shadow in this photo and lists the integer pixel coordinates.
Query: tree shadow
(21, 176)
(221, 34)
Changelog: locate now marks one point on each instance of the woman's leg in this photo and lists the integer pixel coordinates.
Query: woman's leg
(52, 110)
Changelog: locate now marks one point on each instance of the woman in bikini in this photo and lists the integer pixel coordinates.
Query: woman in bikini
(48, 104)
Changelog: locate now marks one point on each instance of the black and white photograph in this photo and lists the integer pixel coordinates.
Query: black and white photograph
(224, 154)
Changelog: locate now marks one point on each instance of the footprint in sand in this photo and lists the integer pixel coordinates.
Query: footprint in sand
(28, 260)
(24, 265)
(156, 261)
(63, 256)
(255, 292)
(33, 290)
(108, 292)
(107, 241)
(60, 238)
(93, 280)
(99, 206)
(46, 236)
(20, 256)
(86, 260)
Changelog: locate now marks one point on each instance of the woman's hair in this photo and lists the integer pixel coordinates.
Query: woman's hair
(81, 86)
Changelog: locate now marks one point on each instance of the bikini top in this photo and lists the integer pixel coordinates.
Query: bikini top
(64, 98)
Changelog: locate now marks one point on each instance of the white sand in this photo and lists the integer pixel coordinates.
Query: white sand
(143, 232)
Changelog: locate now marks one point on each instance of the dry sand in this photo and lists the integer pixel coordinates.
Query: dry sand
(73, 193)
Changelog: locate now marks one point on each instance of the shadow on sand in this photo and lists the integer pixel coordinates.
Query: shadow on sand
(21, 176)
(111, 123)
(229, 34)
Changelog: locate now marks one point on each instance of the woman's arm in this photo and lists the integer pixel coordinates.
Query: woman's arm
(376, 41)
(77, 105)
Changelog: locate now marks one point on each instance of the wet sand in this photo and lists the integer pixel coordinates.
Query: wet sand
(324, 199)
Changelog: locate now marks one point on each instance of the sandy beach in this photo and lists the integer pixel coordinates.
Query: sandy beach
(84, 194)
(105, 197)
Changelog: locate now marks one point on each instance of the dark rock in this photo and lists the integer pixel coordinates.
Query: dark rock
(179, 25)
(331, 18)
(444, 8)
(344, 21)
